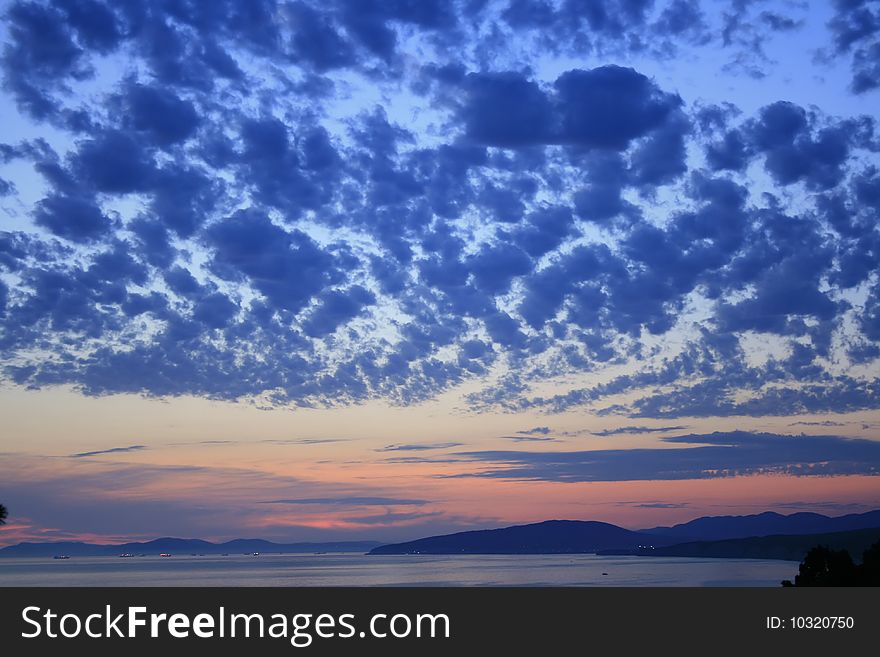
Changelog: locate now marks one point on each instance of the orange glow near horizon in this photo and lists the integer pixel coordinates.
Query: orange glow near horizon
(130, 468)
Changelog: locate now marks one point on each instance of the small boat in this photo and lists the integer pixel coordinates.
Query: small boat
(164, 554)
(61, 556)
(256, 554)
(125, 555)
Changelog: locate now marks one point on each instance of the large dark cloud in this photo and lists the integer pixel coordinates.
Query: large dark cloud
(689, 457)
(508, 110)
(795, 146)
(855, 28)
(115, 163)
(603, 108)
(287, 267)
(161, 113)
(336, 308)
(316, 41)
(77, 219)
(40, 55)
(608, 107)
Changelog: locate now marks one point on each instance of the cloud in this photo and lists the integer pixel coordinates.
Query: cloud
(702, 400)
(337, 308)
(228, 215)
(42, 52)
(506, 109)
(602, 108)
(306, 441)
(287, 267)
(417, 447)
(316, 41)
(106, 497)
(535, 431)
(161, 113)
(855, 28)
(820, 423)
(796, 147)
(662, 505)
(115, 162)
(636, 430)
(75, 218)
(692, 456)
(352, 501)
(389, 518)
(112, 450)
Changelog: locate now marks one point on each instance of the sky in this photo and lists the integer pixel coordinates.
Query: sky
(363, 269)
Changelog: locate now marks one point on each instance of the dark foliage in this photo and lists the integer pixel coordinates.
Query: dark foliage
(825, 567)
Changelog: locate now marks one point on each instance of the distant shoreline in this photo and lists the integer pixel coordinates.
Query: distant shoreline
(763, 536)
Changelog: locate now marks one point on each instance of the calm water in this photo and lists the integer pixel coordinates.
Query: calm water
(410, 570)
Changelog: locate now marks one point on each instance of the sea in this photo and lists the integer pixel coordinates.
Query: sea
(393, 570)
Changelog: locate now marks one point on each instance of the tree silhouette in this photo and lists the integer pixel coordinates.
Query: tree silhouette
(870, 568)
(3, 514)
(826, 567)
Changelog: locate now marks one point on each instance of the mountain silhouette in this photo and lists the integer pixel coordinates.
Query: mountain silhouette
(715, 528)
(548, 537)
(179, 546)
(784, 546)
(766, 535)
(762, 536)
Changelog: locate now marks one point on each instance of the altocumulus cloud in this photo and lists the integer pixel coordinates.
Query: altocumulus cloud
(182, 237)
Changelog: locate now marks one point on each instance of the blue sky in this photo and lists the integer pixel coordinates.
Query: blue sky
(633, 218)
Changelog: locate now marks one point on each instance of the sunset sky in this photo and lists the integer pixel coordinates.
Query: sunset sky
(380, 269)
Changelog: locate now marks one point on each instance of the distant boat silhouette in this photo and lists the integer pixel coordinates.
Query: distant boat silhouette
(164, 554)
(61, 556)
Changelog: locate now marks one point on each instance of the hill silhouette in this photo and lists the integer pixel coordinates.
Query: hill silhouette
(179, 546)
(784, 546)
(575, 536)
(716, 528)
(548, 537)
